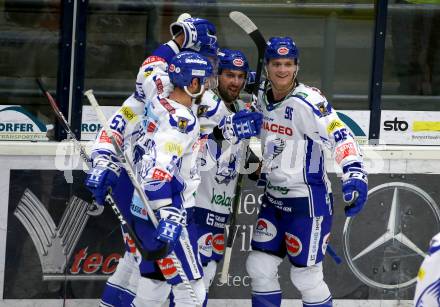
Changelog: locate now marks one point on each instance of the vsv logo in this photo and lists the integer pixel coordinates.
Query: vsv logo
(395, 125)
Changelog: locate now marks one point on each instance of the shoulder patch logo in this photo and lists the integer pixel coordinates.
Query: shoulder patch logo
(182, 124)
(323, 108)
(202, 110)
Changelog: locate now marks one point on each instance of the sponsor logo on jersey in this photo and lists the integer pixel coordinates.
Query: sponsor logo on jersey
(173, 148)
(161, 175)
(345, 150)
(151, 127)
(167, 268)
(205, 244)
(315, 237)
(221, 199)
(128, 113)
(272, 127)
(302, 95)
(167, 106)
(152, 59)
(218, 243)
(325, 242)
(335, 124)
(293, 244)
(105, 139)
(264, 231)
(282, 190)
(138, 210)
(283, 50)
(238, 62)
(159, 86)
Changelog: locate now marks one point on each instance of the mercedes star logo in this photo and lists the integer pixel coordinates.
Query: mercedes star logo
(384, 245)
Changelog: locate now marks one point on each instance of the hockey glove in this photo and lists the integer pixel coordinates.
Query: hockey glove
(241, 125)
(198, 32)
(171, 221)
(354, 189)
(101, 177)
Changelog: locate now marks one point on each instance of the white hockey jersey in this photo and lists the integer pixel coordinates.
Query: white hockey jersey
(219, 163)
(166, 154)
(428, 280)
(292, 138)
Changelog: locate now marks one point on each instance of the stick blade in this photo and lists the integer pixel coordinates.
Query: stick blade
(243, 21)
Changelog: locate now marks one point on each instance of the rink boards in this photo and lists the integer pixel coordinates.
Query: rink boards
(50, 248)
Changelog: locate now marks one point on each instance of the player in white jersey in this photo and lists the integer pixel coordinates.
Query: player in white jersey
(219, 162)
(190, 34)
(428, 280)
(168, 172)
(297, 206)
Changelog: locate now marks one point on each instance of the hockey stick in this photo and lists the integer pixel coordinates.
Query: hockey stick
(127, 164)
(251, 29)
(148, 255)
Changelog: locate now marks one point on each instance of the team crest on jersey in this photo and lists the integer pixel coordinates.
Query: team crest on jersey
(293, 244)
(238, 62)
(264, 231)
(323, 108)
(182, 124)
(202, 110)
(226, 170)
(283, 50)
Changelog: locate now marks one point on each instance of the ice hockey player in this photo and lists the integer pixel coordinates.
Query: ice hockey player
(191, 34)
(428, 280)
(168, 172)
(297, 207)
(219, 162)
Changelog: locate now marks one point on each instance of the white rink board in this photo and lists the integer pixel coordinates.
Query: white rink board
(18, 155)
(212, 303)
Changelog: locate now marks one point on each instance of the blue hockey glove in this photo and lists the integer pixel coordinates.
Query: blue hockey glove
(198, 32)
(101, 177)
(241, 125)
(354, 189)
(170, 224)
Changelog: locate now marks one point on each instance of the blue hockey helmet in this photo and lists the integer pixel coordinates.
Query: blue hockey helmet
(281, 47)
(188, 65)
(232, 59)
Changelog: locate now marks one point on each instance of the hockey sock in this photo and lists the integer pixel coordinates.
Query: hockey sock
(266, 299)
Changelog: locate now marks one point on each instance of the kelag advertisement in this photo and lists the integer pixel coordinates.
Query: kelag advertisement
(55, 248)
